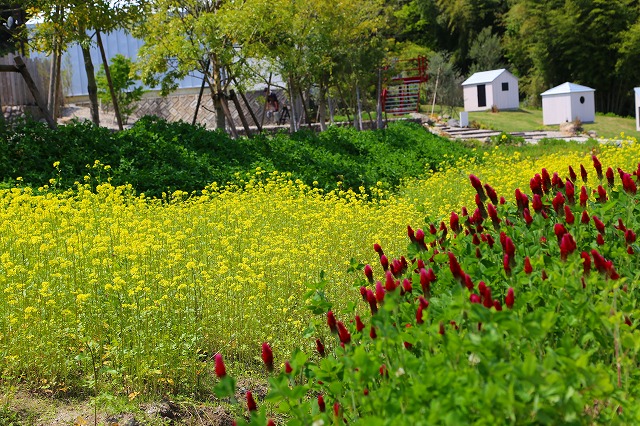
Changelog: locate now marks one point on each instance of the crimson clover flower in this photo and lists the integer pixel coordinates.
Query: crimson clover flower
(567, 246)
(343, 333)
(321, 405)
(384, 261)
(570, 191)
(535, 184)
(528, 219)
(559, 230)
(320, 347)
(220, 369)
(331, 322)
(546, 180)
(602, 194)
(368, 272)
(583, 173)
(537, 203)
(373, 303)
(583, 197)
(251, 403)
(287, 367)
(585, 217)
(419, 318)
(411, 234)
(510, 298)
(527, 265)
(568, 215)
(556, 182)
(359, 324)
(425, 282)
(598, 166)
(558, 202)
(609, 175)
(599, 224)
(491, 193)
(628, 184)
(586, 262)
(267, 356)
(572, 174)
(454, 222)
(389, 283)
(629, 236)
(477, 185)
(379, 292)
(406, 285)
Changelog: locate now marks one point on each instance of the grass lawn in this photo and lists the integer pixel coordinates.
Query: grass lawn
(531, 119)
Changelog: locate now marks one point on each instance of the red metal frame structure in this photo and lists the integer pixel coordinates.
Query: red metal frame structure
(401, 93)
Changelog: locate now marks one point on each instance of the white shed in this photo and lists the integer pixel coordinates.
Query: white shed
(486, 89)
(566, 102)
(637, 90)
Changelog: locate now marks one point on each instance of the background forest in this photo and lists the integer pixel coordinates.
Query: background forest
(330, 46)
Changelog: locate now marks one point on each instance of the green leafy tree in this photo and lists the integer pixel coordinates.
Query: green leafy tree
(486, 51)
(81, 21)
(584, 41)
(124, 83)
(186, 36)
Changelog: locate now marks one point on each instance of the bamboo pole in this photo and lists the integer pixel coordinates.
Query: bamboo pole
(22, 69)
(107, 74)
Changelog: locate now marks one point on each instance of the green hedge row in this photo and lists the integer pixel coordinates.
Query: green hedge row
(157, 156)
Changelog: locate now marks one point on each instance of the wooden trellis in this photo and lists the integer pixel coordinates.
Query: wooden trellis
(21, 68)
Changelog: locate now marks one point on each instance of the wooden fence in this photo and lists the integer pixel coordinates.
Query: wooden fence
(13, 89)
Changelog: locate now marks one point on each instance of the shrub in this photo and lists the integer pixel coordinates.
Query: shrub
(518, 312)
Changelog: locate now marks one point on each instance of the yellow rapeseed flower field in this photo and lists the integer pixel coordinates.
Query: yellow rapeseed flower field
(142, 292)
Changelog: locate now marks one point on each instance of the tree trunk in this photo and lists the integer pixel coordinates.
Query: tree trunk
(322, 110)
(266, 102)
(292, 107)
(243, 119)
(1, 110)
(107, 74)
(379, 104)
(359, 107)
(92, 86)
(52, 69)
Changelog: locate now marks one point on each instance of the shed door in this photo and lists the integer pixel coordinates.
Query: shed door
(482, 96)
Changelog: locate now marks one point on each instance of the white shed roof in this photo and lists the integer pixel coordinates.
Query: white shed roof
(565, 88)
(483, 77)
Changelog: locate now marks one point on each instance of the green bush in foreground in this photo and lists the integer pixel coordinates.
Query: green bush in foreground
(158, 157)
(520, 313)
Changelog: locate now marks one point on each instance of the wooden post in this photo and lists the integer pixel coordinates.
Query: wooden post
(246, 102)
(107, 74)
(266, 102)
(1, 110)
(227, 113)
(236, 103)
(22, 69)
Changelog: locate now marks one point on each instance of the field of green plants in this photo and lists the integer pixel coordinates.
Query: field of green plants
(477, 286)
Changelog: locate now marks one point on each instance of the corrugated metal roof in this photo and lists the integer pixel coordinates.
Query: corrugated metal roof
(565, 88)
(483, 77)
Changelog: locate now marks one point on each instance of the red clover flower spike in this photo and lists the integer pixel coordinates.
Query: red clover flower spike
(251, 403)
(343, 333)
(221, 370)
(598, 166)
(267, 356)
(331, 322)
(510, 299)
